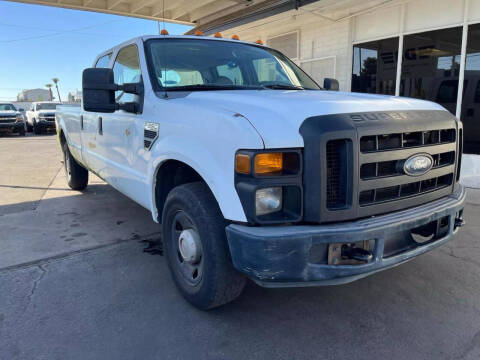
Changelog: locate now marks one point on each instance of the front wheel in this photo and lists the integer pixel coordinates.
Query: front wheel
(36, 128)
(196, 247)
(77, 176)
(29, 127)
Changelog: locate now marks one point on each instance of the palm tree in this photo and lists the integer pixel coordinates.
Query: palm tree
(55, 81)
(49, 86)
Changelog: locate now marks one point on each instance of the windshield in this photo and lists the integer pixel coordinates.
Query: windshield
(6, 107)
(46, 106)
(190, 64)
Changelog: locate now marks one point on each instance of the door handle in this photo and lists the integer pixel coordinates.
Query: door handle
(100, 126)
(81, 122)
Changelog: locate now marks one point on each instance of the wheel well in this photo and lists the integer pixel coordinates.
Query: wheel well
(172, 173)
(62, 138)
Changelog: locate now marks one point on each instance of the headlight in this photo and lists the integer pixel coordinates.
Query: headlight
(268, 163)
(268, 200)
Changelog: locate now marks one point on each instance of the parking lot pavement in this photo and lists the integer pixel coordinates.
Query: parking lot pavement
(100, 296)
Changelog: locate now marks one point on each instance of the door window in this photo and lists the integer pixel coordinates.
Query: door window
(126, 70)
(104, 61)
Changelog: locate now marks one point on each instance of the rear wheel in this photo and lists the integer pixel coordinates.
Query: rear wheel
(196, 247)
(77, 175)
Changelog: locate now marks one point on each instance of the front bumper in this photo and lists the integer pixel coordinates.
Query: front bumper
(281, 256)
(12, 127)
(44, 124)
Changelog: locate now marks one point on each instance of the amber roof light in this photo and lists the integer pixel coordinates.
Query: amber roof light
(164, 32)
(235, 37)
(259, 42)
(218, 35)
(198, 33)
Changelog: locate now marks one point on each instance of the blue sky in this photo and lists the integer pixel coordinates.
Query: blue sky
(38, 43)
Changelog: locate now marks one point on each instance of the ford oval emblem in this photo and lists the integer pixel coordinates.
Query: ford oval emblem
(418, 164)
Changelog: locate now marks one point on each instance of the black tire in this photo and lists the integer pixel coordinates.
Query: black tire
(21, 132)
(29, 127)
(218, 282)
(36, 128)
(77, 175)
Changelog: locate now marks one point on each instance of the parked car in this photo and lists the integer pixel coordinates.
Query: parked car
(41, 116)
(255, 171)
(11, 119)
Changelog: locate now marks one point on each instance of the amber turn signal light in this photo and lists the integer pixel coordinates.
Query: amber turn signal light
(268, 163)
(259, 42)
(218, 35)
(164, 32)
(198, 33)
(235, 37)
(242, 164)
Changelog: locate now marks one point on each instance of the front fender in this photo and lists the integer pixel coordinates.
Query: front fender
(211, 154)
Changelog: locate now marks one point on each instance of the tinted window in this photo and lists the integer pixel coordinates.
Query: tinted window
(104, 61)
(471, 95)
(430, 66)
(126, 70)
(375, 67)
(6, 107)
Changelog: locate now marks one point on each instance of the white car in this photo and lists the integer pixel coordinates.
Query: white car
(255, 171)
(41, 116)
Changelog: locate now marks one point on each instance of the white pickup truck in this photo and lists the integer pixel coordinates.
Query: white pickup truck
(255, 171)
(41, 116)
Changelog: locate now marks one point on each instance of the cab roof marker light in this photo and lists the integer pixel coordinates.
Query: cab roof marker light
(218, 35)
(235, 37)
(259, 42)
(198, 33)
(164, 32)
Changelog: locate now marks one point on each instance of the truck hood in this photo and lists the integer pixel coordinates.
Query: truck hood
(9, 112)
(277, 115)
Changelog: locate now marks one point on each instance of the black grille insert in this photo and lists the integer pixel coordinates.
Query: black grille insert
(394, 167)
(397, 141)
(370, 197)
(338, 167)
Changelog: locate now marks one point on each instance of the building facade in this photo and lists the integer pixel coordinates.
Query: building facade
(427, 49)
(34, 95)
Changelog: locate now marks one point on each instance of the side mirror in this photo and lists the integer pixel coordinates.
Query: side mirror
(99, 92)
(330, 84)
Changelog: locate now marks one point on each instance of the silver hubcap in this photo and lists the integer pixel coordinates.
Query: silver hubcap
(187, 249)
(189, 246)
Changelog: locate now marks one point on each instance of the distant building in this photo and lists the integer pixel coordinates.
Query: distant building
(75, 96)
(34, 95)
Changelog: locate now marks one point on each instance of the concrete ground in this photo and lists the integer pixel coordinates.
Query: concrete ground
(76, 283)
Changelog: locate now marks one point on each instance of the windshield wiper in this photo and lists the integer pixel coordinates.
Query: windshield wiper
(283, 87)
(206, 87)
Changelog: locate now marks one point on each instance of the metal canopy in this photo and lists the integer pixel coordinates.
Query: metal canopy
(189, 12)
(216, 15)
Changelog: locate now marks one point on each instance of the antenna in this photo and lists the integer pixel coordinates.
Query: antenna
(165, 95)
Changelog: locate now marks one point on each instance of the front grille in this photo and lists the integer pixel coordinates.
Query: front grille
(406, 140)
(397, 192)
(382, 158)
(337, 173)
(394, 167)
(7, 118)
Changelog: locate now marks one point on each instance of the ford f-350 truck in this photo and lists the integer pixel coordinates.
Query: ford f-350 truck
(255, 171)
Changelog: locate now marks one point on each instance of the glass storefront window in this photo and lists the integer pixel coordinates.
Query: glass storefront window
(375, 67)
(430, 66)
(471, 93)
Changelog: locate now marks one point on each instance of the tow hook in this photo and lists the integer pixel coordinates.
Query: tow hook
(459, 222)
(356, 253)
